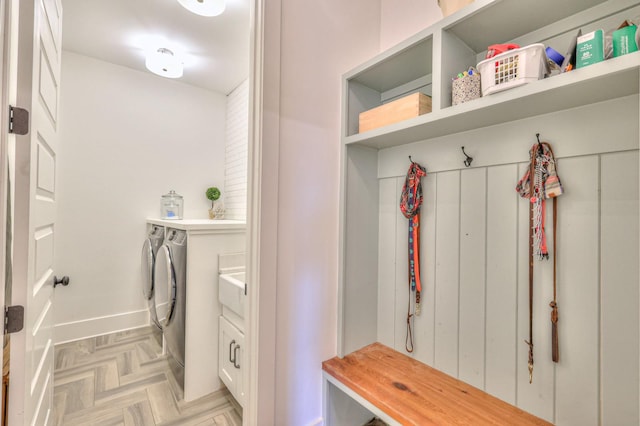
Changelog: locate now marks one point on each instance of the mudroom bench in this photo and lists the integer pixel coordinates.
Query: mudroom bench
(379, 381)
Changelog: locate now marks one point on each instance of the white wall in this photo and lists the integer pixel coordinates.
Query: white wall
(236, 146)
(401, 19)
(318, 42)
(126, 138)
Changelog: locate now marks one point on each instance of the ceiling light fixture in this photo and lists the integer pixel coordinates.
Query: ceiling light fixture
(164, 63)
(204, 7)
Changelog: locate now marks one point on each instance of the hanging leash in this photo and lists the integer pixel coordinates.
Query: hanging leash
(546, 184)
(552, 189)
(410, 202)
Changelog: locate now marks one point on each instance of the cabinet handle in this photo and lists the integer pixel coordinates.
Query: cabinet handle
(232, 351)
(235, 356)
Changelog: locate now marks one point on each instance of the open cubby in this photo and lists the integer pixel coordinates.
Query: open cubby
(405, 70)
(429, 60)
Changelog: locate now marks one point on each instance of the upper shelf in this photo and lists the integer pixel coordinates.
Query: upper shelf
(427, 61)
(408, 64)
(480, 24)
(606, 80)
(490, 22)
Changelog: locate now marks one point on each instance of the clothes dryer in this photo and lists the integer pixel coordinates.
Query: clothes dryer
(150, 249)
(171, 277)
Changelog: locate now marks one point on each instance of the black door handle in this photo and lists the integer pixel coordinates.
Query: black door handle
(64, 281)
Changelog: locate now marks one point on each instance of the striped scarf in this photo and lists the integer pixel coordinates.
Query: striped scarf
(546, 184)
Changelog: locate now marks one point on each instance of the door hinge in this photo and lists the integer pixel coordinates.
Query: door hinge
(18, 120)
(13, 318)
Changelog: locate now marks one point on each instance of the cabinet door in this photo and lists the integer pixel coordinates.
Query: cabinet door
(231, 359)
(226, 369)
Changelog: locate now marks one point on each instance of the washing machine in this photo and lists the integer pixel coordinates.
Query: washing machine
(150, 248)
(171, 277)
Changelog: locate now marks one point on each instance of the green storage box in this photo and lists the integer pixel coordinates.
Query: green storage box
(590, 48)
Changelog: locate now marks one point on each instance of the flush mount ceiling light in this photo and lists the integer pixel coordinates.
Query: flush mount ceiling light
(204, 7)
(164, 63)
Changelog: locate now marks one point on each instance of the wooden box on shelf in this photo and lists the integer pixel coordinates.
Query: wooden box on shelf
(401, 109)
(450, 7)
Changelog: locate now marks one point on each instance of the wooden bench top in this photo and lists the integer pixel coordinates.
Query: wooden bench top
(413, 393)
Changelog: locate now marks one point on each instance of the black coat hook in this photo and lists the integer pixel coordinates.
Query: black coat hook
(468, 160)
(539, 143)
(410, 159)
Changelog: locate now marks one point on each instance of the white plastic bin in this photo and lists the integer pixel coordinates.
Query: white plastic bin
(513, 68)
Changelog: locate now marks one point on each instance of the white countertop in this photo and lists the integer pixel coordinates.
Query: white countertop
(199, 224)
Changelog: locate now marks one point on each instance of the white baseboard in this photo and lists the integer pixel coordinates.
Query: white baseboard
(91, 327)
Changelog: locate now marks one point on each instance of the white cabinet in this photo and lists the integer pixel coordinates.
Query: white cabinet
(231, 359)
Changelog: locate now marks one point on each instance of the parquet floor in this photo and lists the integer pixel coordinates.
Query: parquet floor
(123, 379)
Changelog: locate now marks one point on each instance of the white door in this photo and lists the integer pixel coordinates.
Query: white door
(39, 54)
(5, 38)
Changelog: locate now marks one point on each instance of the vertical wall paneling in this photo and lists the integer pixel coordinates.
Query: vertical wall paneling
(447, 278)
(475, 268)
(536, 397)
(387, 260)
(501, 296)
(471, 335)
(619, 288)
(577, 384)
(424, 323)
(236, 157)
(402, 276)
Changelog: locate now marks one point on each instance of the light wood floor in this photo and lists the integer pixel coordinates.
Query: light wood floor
(123, 379)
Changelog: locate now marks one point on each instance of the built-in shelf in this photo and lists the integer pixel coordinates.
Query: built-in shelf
(427, 61)
(487, 22)
(599, 82)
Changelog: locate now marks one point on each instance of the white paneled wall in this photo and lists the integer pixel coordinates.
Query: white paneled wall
(474, 242)
(237, 142)
(618, 285)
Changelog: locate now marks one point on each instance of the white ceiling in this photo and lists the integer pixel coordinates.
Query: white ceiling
(215, 49)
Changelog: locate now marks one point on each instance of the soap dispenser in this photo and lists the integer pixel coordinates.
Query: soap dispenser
(171, 206)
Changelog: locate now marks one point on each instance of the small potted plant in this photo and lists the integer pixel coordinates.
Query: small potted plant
(213, 194)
